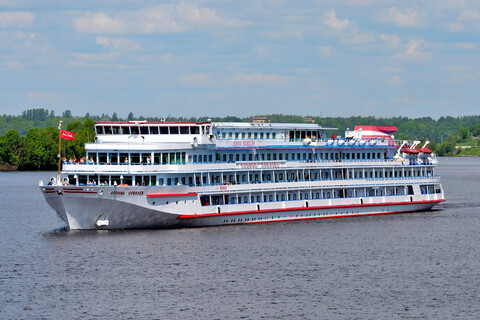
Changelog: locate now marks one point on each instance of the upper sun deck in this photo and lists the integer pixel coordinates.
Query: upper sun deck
(143, 135)
(127, 132)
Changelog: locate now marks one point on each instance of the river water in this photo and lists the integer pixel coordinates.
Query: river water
(418, 265)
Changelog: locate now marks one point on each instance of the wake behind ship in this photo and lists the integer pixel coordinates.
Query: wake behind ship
(157, 175)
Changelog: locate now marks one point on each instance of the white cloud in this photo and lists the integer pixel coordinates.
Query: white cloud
(197, 79)
(46, 97)
(336, 24)
(260, 79)
(408, 19)
(466, 45)
(413, 51)
(395, 81)
(161, 19)
(122, 44)
(14, 65)
(346, 30)
(16, 19)
(392, 39)
(99, 23)
(391, 70)
(455, 27)
(325, 51)
(469, 15)
(96, 56)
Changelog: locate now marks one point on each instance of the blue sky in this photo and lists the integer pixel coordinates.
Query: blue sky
(217, 58)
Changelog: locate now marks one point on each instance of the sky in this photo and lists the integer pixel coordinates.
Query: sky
(241, 58)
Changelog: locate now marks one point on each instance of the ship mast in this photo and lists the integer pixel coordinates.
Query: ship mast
(59, 149)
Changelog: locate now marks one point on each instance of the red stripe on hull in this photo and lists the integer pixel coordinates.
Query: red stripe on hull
(78, 191)
(157, 195)
(192, 216)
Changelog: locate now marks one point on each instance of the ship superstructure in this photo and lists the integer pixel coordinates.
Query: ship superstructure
(152, 175)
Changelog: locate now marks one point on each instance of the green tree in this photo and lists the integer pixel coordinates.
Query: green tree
(67, 114)
(9, 148)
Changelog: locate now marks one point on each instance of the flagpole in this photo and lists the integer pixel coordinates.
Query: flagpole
(59, 150)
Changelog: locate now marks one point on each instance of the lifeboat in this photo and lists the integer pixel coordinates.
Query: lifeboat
(410, 151)
(425, 150)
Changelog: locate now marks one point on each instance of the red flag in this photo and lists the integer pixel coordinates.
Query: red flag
(67, 135)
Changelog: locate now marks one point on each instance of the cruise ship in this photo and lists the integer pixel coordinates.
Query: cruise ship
(142, 174)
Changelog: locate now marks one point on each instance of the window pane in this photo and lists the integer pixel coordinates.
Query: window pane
(163, 130)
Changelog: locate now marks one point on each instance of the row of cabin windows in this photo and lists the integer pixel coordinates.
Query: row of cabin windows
(246, 135)
(182, 157)
(291, 176)
(303, 134)
(293, 135)
(256, 176)
(145, 158)
(314, 194)
(107, 180)
(128, 130)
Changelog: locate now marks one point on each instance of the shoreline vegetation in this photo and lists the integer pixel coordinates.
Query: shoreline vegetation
(30, 141)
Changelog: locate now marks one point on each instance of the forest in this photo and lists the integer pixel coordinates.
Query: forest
(30, 141)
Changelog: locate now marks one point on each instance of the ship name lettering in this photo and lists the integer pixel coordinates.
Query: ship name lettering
(249, 143)
(117, 192)
(236, 143)
(270, 165)
(135, 193)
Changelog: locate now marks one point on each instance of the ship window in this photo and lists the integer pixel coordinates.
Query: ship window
(116, 130)
(261, 135)
(153, 130)
(249, 135)
(134, 130)
(108, 130)
(255, 135)
(163, 130)
(184, 130)
(236, 135)
(144, 130)
(195, 130)
(173, 130)
(99, 129)
(135, 157)
(102, 157)
(267, 135)
(125, 130)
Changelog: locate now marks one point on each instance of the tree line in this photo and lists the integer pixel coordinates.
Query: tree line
(30, 141)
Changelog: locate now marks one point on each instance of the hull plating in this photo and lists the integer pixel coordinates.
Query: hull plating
(96, 210)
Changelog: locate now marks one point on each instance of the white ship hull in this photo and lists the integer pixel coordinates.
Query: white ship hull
(105, 208)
